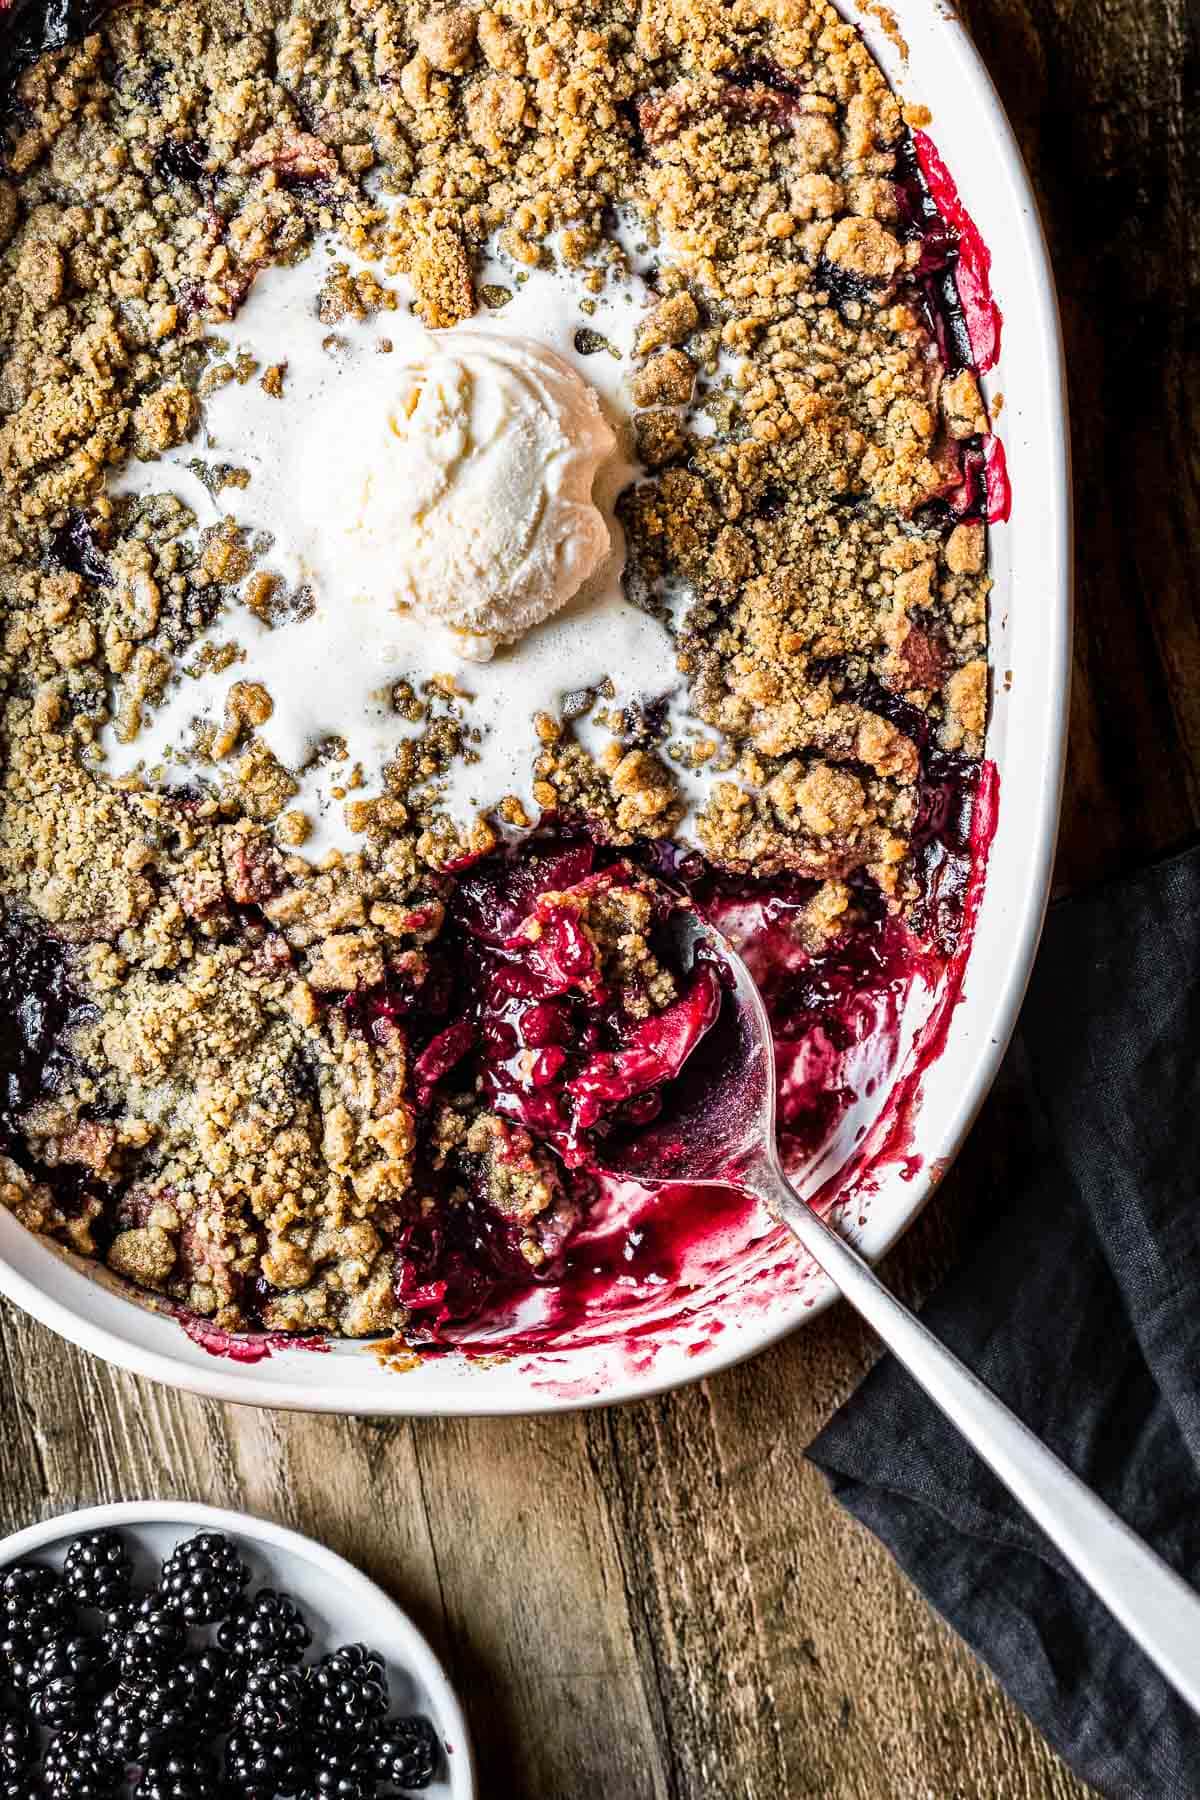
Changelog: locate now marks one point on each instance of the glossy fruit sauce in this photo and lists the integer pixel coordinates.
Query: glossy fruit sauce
(550, 1053)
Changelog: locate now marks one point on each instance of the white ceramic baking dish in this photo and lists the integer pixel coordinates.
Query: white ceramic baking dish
(928, 55)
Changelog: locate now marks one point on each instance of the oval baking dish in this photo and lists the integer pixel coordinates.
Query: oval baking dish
(885, 1169)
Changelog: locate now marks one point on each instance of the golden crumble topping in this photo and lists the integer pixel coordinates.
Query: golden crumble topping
(236, 1140)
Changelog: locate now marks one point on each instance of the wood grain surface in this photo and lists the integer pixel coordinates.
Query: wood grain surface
(661, 1601)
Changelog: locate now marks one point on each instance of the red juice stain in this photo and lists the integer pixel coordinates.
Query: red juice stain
(974, 271)
(996, 485)
(623, 1283)
(245, 1347)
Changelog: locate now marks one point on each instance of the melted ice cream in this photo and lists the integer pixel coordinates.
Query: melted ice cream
(361, 523)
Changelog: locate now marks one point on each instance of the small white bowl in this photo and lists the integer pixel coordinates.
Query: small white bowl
(338, 1601)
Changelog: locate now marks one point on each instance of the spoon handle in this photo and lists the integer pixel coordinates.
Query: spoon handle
(1158, 1610)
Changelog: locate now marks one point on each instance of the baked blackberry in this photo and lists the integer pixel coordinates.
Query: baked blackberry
(263, 1626)
(343, 1772)
(204, 1577)
(273, 1695)
(178, 1774)
(73, 1769)
(349, 1692)
(98, 1572)
(154, 1636)
(64, 1676)
(261, 1764)
(407, 1752)
(16, 1743)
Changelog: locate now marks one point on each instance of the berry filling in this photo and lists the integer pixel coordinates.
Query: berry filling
(562, 1051)
(561, 1058)
(532, 1006)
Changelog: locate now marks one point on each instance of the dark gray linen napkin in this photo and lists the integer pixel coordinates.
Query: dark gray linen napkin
(1079, 1306)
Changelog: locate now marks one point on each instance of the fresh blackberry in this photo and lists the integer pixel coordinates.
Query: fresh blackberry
(407, 1752)
(73, 1769)
(201, 1684)
(343, 1772)
(349, 1692)
(204, 1577)
(16, 1743)
(126, 1726)
(114, 1623)
(133, 1723)
(16, 1654)
(177, 1774)
(21, 1785)
(19, 1650)
(273, 1695)
(261, 1764)
(98, 1571)
(154, 1636)
(29, 1592)
(263, 1626)
(186, 1704)
(63, 1677)
(34, 1609)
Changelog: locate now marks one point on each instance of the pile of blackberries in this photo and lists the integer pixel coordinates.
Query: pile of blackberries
(106, 1692)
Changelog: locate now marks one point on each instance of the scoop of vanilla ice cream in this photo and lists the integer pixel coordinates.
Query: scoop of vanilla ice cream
(482, 494)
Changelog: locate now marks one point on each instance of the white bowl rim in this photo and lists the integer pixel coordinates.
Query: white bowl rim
(418, 1653)
(231, 1381)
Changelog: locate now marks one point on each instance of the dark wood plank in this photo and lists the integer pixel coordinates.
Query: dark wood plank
(650, 1602)
(1104, 101)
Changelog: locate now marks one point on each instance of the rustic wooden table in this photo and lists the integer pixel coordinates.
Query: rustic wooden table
(661, 1601)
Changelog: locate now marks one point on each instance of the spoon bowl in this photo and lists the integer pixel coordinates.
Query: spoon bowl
(720, 1111)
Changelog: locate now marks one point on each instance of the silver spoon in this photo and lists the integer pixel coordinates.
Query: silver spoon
(721, 1132)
